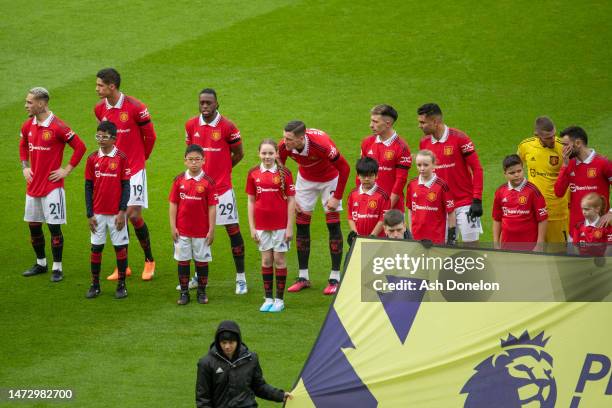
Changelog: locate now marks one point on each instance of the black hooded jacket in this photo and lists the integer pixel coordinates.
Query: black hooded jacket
(223, 382)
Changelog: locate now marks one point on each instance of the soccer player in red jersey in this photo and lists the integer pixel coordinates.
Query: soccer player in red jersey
(432, 215)
(589, 238)
(519, 211)
(192, 210)
(583, 171)
(107, 191)
(41, 149)
(367, 203)
(456, 163)
(222, 146)
(135, 137)
(323, 171)
(391, 153)
(271, 208)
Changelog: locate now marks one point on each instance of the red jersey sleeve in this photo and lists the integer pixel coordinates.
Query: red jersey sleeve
(409, 195)
(187, 133)
(563, 179)
(447, 200)
(174, 192)
(24, 152)
(539, 206)
(233, 136)
(211, 195)
(289, 186)
(497, 212)
(349, 213)
(402, 165)
(608, 171)
(385, 206)
(282, 153)
(609, 235)
(250, 188)
(89, 168)
(147, 131)
(468, 151)
(344, 170)
(125, 169)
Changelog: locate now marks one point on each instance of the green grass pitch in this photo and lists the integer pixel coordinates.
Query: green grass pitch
(492, 66)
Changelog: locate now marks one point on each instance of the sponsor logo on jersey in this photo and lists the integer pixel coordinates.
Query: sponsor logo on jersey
(46, 135)
(431, 196)
(553, 160)
(468, 147)
(32, 147)
(522, 199)
(189, 197)
(372, 204)
(101, 174)
(215, 135)
(448, 150)
(124, 117)
(592, 172)
(573, 188)
(389, 154)
(514, 211)
(332, 152)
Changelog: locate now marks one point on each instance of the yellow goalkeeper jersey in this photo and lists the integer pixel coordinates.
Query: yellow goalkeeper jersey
(543, 166)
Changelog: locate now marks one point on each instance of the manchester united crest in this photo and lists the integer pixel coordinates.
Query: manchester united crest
(276, 179)
(200, 188)
(597, 234)
(46, 135)
(372, 204)
(431, 196)
(123, 116)
(522, 199)
(448, 150)
(112, 165)
(215, 135)
(592, 172)
(389, 154)
(553, 160)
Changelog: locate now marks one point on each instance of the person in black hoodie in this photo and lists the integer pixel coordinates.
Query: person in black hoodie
(230, 374)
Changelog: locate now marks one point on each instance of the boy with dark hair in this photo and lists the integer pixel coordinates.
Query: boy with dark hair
(367, 203)
(192, 211)
(519, 210)
(230, 374)
(107, 191)
(394, 225)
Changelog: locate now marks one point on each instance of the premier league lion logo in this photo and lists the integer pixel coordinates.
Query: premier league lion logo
(518, 376)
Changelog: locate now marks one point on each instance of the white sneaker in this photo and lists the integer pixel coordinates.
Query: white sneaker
(267, 304)
(193, 283)
(241, 287)
(278, 306)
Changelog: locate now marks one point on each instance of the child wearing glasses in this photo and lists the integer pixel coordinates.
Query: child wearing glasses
(107, 191)
(192, 222)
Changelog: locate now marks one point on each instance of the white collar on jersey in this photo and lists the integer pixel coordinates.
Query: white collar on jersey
(214, 122)
(196, 178)
(112, 153)
(47, 121)
(520, 187)
(429, 183)
(589, 158)
(271, 169)
(443, 139)
(370, 191)
(304, 151)
(119, 103)
(587, 223)
(388, 141)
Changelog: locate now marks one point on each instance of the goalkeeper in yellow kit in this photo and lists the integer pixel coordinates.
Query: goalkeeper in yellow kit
(543, 156)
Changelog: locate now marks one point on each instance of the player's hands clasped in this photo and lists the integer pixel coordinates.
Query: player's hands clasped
(93, 224)
(332, 203)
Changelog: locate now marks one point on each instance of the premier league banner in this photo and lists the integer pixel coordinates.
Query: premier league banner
(455, 327)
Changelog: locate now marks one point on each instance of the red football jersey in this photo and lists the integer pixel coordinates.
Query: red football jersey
(193, 195)
(107, 171)
(429, 204)
(593, 175)
(519, 210)
(270, 196)
(367, 208)
(394, 161)
(135, 133)
(43, 145)
(590, 239)
(215, 138)
(457, 163)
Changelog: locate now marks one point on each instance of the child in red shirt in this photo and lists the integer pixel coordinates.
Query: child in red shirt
(192, 213)
(432, 209)
(519, 211)
(107, 191)
(590, 239)
(367, 203)
(271, 211)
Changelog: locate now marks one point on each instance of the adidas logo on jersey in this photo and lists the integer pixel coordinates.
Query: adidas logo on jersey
(415, 194)
(257, 180)
(370, 151)
(182, 186)
(572, 174)
(355, 204)
(505, 200)
(196, 134)
(97, 165)
(219, 370)
(533, 159)
(103, 119)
